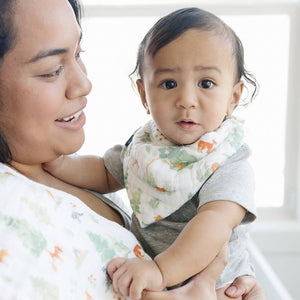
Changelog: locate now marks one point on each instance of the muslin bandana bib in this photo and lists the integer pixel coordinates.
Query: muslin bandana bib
(161, 176)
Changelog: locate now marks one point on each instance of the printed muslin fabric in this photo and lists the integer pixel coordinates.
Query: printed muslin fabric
(54, 247)
(160, 176)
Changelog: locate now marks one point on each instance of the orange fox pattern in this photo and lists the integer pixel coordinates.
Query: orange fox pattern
(3, 253)
(137, 251)
(202, 146)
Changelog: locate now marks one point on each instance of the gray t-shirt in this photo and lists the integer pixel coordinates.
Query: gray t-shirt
(232, 181)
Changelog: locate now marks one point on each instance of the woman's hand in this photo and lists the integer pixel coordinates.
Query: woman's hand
(248, 287)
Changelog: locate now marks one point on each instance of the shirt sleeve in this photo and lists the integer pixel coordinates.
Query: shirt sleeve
(113, 161)
(232, 181)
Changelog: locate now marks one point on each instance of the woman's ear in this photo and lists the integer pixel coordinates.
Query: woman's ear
(236, 96)
(141, 90)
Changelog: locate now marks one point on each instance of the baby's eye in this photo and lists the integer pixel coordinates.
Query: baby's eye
(206, 84)
(169, 84)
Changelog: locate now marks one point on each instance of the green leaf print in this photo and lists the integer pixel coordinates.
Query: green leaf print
(151, 180)
(46, 290)
(148, 149)
(154, 202)
(108, 248)
(177, 157)
(40, 213)
(30, 237)
(136, 201)
(237, 137)
(102, 246)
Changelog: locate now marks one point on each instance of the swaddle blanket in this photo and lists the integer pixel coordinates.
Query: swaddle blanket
(52, 246)
(161, 176)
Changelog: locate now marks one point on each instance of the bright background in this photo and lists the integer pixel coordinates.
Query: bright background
(114, 110)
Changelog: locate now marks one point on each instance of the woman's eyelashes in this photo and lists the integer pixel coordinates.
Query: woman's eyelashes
(58, 71)
(78, 53)
(54, 73)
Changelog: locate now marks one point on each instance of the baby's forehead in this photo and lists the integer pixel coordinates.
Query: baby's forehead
(195, 41)
(194, 49)
(223, 33)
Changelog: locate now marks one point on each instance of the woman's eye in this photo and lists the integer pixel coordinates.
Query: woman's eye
(206, 84)
(169, 84)
(78, 54)
(53, 74)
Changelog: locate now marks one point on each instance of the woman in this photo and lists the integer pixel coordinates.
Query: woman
(55, 238)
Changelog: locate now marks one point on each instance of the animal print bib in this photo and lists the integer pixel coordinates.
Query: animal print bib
(161, 176)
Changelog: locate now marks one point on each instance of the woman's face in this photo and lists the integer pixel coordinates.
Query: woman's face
(43, 83)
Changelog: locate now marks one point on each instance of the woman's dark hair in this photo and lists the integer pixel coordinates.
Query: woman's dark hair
(170, 27)
(8, 35)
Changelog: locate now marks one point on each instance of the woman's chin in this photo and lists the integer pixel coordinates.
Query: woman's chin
(71, 145)
(75, 146)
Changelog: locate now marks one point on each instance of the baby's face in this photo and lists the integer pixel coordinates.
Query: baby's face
(190, 85)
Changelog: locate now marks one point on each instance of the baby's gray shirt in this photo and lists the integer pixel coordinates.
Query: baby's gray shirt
(232, 181)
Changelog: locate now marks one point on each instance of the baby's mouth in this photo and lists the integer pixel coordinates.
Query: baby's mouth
(187, 124)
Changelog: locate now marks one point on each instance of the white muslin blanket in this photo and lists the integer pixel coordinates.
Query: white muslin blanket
(54, 247)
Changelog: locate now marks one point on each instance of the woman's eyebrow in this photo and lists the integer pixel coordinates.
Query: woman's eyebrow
(52, 52)
(46, 53)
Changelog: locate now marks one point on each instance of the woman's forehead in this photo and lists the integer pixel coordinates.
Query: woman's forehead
(43, 24)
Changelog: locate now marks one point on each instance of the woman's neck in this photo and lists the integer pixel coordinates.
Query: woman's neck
(34, 172)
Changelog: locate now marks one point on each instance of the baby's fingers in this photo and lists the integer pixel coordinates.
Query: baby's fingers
(123, 280)
(136, 289)
(114, 265)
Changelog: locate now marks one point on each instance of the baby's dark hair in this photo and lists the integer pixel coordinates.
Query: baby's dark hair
(173, 25)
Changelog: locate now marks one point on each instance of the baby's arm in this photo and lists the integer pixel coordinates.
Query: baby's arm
(85, 171)
(196, 246)
(200, 241)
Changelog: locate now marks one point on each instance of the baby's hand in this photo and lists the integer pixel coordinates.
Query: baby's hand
(54, 165)
(132, 276)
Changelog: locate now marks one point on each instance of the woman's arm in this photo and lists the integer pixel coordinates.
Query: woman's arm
(85, 171)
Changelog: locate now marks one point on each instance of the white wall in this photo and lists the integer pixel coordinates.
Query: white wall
(280, 244)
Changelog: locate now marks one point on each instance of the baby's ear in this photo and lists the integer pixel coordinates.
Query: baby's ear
(236, 96)
(141, 90)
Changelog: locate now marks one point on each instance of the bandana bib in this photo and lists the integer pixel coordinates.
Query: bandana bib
(161, 176)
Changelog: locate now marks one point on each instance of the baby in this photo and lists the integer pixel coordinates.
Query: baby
(186, 171)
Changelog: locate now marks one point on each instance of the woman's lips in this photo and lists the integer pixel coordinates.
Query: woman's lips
(72, 118)
(74, 122)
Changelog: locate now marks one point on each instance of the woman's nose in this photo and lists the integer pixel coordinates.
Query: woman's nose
(79, 85)
(187, 98)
